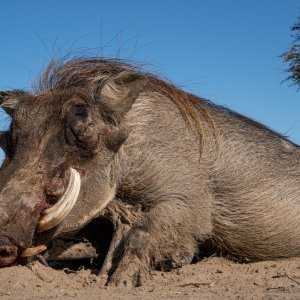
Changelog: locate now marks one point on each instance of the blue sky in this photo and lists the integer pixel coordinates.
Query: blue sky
(226, 51)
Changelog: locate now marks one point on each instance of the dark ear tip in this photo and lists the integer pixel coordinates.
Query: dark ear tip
(127, 77)
(11, 93)
(10, 99)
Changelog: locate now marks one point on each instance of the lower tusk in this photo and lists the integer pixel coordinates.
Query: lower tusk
(57, 213)
(33, 251)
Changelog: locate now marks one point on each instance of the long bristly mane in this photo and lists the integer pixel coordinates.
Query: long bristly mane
(89, 73)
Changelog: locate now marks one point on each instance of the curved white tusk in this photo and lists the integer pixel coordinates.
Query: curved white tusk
(57, 213)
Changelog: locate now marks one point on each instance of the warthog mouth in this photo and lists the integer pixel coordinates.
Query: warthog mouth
(49, 218)
(55, 214)
(8, 251)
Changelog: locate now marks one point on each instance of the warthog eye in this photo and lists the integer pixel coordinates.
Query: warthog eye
(80, 129)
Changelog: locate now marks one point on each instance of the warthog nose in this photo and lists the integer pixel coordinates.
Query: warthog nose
(8, 252)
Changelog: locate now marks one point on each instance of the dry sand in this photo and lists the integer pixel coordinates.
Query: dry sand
(212, 278)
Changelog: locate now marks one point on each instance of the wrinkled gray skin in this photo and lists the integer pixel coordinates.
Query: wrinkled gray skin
(235, 183)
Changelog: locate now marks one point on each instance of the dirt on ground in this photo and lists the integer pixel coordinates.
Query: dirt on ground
(212, 278)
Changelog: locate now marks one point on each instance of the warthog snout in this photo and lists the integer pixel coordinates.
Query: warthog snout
(29, 213)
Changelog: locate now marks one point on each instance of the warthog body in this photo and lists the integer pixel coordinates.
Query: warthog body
(199, 172)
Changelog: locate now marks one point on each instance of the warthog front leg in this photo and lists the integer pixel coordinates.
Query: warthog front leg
(134, 266)
(157, 240)
(122, 216)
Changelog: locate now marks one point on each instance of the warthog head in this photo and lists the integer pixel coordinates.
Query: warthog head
(60, 152)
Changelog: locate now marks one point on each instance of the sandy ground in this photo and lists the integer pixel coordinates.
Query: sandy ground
(212, 278)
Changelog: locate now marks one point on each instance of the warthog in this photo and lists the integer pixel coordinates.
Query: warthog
(98, 132)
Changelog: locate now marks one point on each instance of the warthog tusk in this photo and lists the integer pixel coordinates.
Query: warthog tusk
(33, 251)
(55, 214)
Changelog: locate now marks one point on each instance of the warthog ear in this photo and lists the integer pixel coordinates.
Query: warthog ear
(9, 100)
(119, 93)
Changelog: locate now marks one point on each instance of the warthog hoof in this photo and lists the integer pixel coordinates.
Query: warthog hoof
(131, 272)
